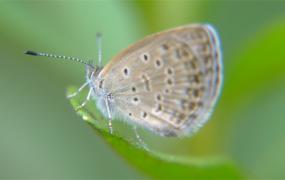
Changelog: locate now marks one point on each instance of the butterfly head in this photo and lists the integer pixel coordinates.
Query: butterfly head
(92, 72)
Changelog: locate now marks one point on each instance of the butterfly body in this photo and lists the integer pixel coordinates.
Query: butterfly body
(167, 83)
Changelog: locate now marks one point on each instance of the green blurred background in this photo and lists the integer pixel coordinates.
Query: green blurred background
(42, 137)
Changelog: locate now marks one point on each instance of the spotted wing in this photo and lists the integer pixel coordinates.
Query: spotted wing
(167, 82)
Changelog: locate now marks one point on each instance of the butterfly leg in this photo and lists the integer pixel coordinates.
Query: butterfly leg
(109, 114)
(78, 91)
(85, 101)
(140, 140)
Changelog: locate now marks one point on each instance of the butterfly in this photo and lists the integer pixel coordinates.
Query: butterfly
(167, 83)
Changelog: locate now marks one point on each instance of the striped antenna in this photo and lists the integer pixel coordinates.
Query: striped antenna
(33, 53)
(99, 46)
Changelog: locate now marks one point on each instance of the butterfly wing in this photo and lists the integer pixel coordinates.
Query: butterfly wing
(168, 82)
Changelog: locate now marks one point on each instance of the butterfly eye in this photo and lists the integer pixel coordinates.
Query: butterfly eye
(167, 83)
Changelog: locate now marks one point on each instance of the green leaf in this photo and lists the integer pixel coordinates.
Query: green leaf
(154, 164)
(258, 66)
(253, 104)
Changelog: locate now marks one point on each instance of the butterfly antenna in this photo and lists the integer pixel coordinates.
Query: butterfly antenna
(33, 53)
(99, 46)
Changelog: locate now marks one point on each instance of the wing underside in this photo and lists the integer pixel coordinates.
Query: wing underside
(168, 82)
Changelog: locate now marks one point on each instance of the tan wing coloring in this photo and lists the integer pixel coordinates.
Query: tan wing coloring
(168, 82)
